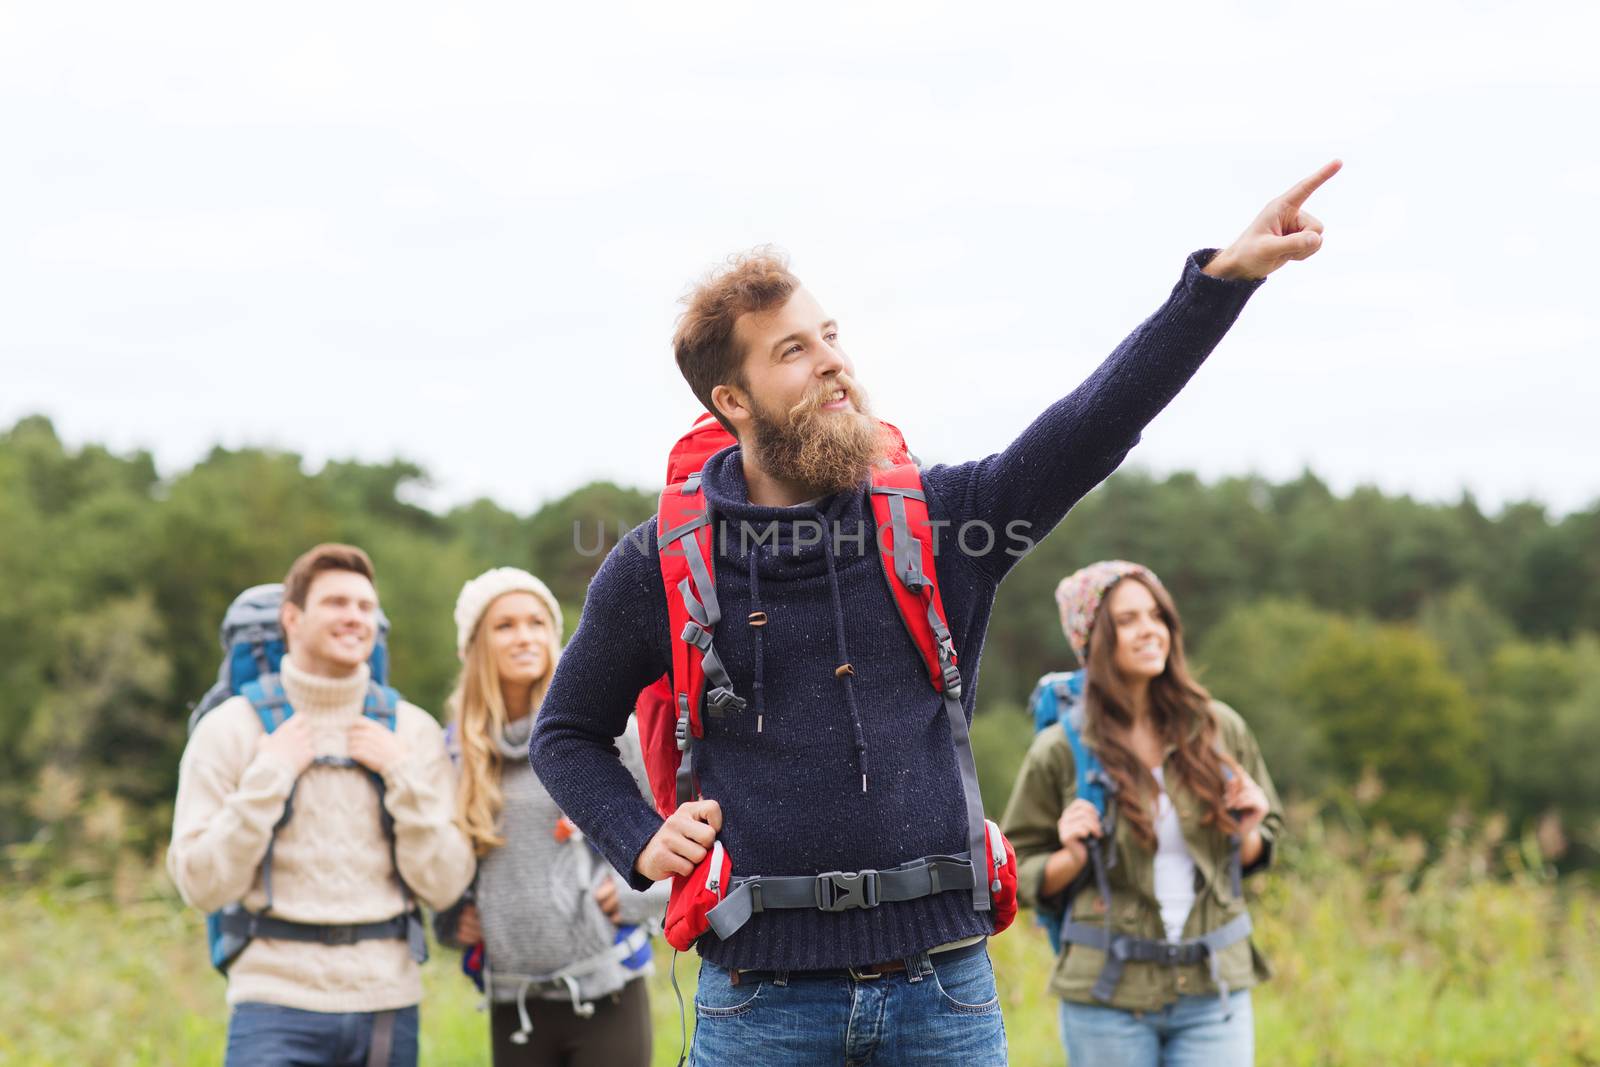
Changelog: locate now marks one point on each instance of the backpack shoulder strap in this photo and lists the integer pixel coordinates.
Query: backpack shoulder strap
(1094, 785)
(382, 706)
(686, 550)
(901, 509)
(267, 697)
(272, 707)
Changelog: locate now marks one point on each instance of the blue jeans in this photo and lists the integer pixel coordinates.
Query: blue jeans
(1191, 1032)
(933, 1013)
(269, 1035)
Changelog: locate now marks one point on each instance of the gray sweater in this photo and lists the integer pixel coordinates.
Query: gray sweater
(535, 894)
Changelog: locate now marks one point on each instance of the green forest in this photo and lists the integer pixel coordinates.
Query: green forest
(1420, 665)
(1424, 680)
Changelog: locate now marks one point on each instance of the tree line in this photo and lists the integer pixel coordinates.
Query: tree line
(1401, 661)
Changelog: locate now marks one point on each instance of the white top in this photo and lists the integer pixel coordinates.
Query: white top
(1174, 865)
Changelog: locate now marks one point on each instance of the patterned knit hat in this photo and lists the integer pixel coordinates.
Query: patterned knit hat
(486, 588)
(1080, 593)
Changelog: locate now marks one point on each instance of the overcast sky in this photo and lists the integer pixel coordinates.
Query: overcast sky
(458, 233)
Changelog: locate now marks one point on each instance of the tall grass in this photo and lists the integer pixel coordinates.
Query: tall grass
(1385, 954)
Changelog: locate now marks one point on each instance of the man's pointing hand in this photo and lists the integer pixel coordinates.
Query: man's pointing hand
(1283, 231)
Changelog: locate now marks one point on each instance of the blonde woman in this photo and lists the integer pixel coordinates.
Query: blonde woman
(563, 942)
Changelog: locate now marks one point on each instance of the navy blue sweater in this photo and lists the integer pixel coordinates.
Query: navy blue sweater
(788, 770)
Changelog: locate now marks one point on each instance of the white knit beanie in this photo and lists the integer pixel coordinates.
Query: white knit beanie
(486, 588)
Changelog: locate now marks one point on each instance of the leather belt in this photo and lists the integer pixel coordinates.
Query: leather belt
(863, 973)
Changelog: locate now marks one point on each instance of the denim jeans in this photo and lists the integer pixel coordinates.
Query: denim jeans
(269, 1035)
(933, 1013)
(1191, 1032)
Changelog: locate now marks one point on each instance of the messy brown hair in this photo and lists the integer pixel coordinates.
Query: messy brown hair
(326, 557)
(1180, 711)
(757, 280)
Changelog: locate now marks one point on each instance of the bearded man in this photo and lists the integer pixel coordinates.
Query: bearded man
(840, 760)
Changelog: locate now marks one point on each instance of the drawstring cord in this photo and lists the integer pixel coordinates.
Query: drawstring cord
(845, 671)
(521, 1036)
(583, 1009)
(758, 621)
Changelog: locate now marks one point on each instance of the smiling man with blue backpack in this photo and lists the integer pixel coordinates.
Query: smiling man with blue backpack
(315, 810)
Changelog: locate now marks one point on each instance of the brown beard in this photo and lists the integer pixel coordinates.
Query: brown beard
(824, 451)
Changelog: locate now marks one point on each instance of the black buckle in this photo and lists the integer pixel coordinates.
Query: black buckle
(952, 679)
(338, 935)
(843, 890)
(1174, 954)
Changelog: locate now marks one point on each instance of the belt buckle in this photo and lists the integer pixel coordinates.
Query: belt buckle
(864, 976)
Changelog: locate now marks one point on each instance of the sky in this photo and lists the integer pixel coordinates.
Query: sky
(459, 234)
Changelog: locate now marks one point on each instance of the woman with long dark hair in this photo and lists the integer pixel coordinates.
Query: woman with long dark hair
(1135, 818)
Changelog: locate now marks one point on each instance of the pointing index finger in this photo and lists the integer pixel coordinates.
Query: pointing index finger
(1303, 189)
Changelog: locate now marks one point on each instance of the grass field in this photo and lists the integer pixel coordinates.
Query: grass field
(1380, 962)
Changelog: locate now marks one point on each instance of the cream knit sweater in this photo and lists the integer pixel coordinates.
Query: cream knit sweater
(331, 863)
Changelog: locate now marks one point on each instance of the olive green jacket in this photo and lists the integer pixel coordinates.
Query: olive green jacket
(1045, 786)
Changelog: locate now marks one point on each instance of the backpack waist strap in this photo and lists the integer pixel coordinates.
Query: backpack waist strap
(840, 890)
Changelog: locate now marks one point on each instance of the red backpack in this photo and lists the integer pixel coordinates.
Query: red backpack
(669, 710)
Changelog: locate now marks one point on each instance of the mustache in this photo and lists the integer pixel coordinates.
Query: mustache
(824, 395)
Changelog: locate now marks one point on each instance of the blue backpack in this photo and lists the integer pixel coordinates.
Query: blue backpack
(253, 648)
(1059, 698)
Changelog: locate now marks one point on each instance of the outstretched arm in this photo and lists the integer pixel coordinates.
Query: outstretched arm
(1021, 493)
